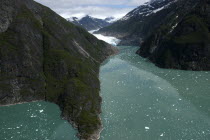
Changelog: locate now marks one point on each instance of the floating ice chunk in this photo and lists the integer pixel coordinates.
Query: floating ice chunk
(161, 135)
(41, 111)
(146, 127)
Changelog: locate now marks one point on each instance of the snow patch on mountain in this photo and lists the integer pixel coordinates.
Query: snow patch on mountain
(148, 8)
(91, 23)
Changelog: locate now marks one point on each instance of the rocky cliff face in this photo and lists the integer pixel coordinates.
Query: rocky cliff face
(172, 33)
(138, 24)
(44, 57)
(89, 23)
(183, 42)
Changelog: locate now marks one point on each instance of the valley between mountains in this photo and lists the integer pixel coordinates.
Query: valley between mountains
(148, 79)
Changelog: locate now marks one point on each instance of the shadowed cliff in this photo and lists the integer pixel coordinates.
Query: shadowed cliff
(44, 57)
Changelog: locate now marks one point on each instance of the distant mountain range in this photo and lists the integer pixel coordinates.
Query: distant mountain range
(91, 23)
(172, 33)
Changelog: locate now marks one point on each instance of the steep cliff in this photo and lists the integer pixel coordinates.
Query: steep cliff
(138, 24)
(172, 33)
(183, 42)
(44, 57)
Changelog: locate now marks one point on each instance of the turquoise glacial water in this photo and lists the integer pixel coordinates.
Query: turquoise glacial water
(34, 121)
(140, 102)
(144, 102)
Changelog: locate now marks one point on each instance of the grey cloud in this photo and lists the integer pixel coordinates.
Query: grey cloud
(96, 8)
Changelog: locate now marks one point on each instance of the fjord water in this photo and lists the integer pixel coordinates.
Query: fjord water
(34, 121)
(144, 102)
(140, 102)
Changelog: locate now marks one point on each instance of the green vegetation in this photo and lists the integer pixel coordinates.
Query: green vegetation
(40, 55)
(200, 35)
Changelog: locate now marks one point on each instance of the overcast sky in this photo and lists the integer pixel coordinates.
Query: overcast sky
(95, 8)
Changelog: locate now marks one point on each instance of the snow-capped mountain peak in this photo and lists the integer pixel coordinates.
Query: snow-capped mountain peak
(91, 23)
(148, 8)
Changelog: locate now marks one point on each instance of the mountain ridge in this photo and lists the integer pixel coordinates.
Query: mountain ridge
(90, 23)
(183, 44)
(137, 24)
(157, 25)
(44, 57)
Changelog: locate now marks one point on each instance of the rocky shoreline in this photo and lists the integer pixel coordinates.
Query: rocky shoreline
(94, 136)
(19, 103)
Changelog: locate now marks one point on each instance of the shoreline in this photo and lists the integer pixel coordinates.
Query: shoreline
(20, 103)
(97, 134)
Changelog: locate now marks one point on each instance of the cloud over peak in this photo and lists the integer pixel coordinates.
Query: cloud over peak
(95, 8)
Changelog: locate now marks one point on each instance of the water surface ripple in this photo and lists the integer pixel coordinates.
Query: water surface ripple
(144, 102)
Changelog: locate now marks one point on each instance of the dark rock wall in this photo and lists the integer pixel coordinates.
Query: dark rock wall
(44, 57)
(184, 46)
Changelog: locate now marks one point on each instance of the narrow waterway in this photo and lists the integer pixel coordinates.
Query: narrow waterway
(140, 102)
(144, 102)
